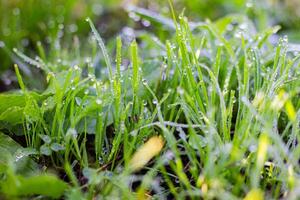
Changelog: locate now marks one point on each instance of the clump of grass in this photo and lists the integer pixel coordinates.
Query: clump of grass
(224, 103)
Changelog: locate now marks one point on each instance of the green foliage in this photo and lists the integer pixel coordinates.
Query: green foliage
(222, 95)
(46, 185)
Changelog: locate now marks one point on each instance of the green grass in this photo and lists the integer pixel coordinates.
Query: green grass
(225, 102)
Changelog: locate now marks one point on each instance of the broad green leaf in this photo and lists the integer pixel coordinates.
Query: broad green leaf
(45, 138)
(12, 115)
(47, 185)
(45, 150)
(13, 99)
(57, 147)
(12, 150)
(12, 105)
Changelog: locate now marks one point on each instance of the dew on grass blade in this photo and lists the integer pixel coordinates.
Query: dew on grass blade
(24, 152)
(249, 4)
(133, 133)
(76, 67)
(146, 23)
(144, 102)
(180, 91)
(99, 101)
(155, 101)
(144, 81)
(100, 160)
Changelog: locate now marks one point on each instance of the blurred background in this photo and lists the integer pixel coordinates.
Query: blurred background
(42, 27)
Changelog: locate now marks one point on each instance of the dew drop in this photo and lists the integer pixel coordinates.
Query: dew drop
(144, 102)
(180, 91)
(144, 81)
(146, 23)
(99, 101)
(76, 67)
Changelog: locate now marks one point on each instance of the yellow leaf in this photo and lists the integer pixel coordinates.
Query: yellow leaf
(255, 194)
(262, 149)
(146, 152)
(143, 195)
(290, 110)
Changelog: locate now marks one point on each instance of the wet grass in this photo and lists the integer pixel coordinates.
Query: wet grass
(210, 113)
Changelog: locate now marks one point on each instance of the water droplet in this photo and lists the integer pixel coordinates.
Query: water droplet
(252, 148)
(19, 155)
(144, 102)
(88, 59)
(238, 34)
(133, 16)
(296, 53)
(285, 38)
(92, 77)
(146, 23)
(104, 150)
(99, 101)
(180, 91)
(249, 4)
(243, 26)
(133, 133)
(61, 26)
(76, 67)
(229, 27)
(100, 160)
(144, 81)
(155, 101)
